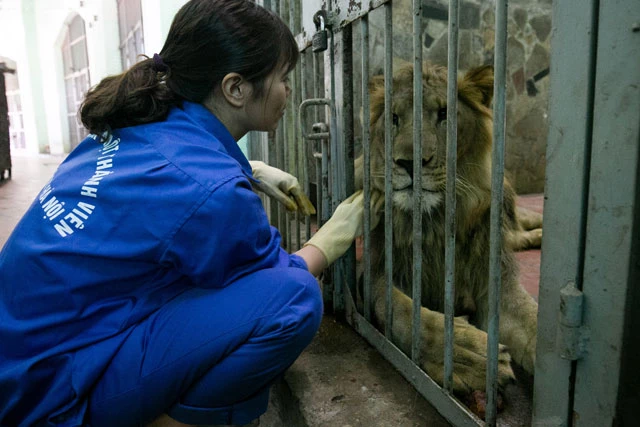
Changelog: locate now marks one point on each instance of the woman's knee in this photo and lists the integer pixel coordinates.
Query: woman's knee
(305, 308)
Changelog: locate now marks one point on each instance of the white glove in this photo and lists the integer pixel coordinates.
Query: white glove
(336, 235)
(282, 186)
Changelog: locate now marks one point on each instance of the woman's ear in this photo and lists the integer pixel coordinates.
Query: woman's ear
(235, 89)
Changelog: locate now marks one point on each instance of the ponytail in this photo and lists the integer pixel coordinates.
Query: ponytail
(137, 96)
(207, 40)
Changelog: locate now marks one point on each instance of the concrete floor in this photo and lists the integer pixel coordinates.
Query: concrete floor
(339, 380)
(29, 175)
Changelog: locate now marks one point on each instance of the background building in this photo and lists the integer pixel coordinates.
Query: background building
(60, 49)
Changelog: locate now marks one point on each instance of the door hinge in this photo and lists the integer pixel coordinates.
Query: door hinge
(571, 337)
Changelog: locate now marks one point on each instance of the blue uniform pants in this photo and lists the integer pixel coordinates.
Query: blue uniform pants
(210, 355)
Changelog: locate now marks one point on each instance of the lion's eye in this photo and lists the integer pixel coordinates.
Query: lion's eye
(396, 120)
(442, 114)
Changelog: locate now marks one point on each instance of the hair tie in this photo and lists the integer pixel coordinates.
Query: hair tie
(158, 64)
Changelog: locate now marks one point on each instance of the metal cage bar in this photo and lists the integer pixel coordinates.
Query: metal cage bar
(366, 153)
(497, 194)
(388, 155)
(417, 182)
(450, 215)
(306, 181)
(294, 24)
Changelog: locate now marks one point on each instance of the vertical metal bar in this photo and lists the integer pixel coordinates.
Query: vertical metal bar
(344, 104)
(417, 180)
(334, 160)
(316, 94)
(280, 149)
(335, 196)
(366, 152)
(388, 164)
(450, 216)
(610, 274)
(270, 151)
(280, 139)
(286, 229)
(573, 58)
(326, 189)
(305, 151)
(497, 180)
(295, 101)
(287, 156)
(318, 164)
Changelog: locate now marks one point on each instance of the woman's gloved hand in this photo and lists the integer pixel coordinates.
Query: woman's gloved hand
(336, 235)
(282, 186)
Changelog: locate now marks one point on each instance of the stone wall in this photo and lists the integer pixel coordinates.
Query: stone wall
(528, 45)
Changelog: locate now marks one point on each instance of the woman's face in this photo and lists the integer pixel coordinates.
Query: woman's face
(266, 111)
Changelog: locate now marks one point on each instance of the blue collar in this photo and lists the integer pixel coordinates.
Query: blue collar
(211, 124)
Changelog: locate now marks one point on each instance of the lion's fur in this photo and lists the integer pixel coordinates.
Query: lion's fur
(473, 200)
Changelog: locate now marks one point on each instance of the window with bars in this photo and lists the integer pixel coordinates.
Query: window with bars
(76, 76)
(131, 36)
(14, 103)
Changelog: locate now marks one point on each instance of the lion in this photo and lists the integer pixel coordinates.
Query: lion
(518, 310)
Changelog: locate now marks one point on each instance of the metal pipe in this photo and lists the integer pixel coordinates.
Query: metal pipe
(497, 180)
(285, 229)
(316, 116)
(450, 215)
(417, 181)
(333, 163)
(366, 152)
(326, 205)
(305, 152)
(295, 100)
(388, 164)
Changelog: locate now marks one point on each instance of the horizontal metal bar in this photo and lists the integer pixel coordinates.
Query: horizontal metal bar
(318, 136)
(448, 406)
(347, 11)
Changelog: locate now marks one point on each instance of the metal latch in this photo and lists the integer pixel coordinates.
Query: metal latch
(570, 337)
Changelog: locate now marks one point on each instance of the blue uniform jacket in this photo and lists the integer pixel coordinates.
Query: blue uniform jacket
(122, 228)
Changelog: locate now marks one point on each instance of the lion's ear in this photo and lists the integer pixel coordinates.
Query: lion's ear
(477, 85)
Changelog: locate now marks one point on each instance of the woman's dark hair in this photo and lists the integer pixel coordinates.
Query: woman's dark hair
(207, 40)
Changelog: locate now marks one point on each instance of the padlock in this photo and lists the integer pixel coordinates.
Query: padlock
(319, 42)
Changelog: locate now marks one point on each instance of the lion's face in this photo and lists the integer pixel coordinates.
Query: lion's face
(474, 132)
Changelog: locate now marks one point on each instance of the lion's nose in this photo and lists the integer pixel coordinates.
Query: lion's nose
(406, 165)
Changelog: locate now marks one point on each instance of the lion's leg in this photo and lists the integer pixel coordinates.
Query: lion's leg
(528, 231)
(470, 343)
(520, 240)
(528, 219)
(518, 325)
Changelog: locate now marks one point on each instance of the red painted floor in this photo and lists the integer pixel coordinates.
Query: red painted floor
(530, 260)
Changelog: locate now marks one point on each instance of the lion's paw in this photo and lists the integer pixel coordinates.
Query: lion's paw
(469, 359)
(536, 237)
